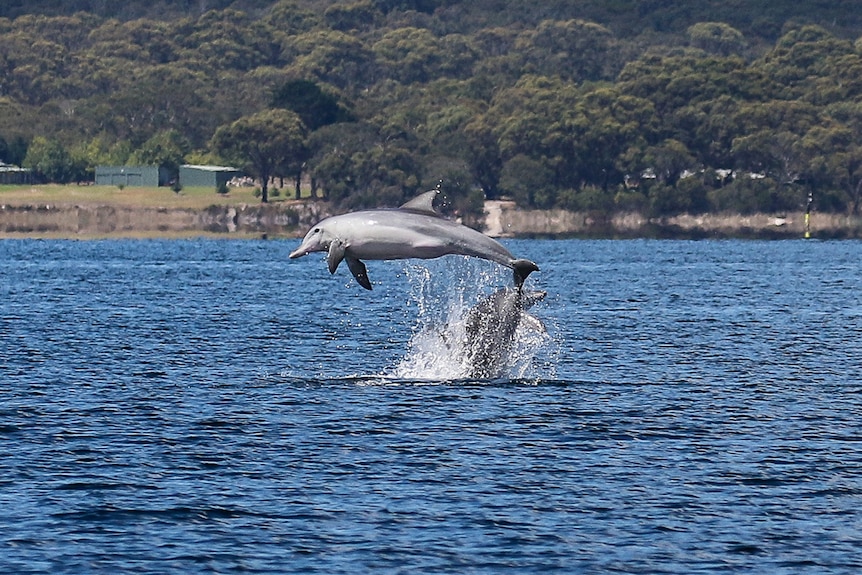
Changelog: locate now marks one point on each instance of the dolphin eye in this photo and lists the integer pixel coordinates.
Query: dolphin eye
(316, 231)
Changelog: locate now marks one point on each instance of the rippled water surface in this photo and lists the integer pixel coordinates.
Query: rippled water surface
(211, 407)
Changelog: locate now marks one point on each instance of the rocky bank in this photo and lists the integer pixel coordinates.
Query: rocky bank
(292, 218)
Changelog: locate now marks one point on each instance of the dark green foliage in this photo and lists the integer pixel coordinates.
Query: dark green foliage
(166, 149)
(592, 105)
(268, 144)
(14, 151)
(314, 106)
(528, 181)
(359, 167)
(51, 162)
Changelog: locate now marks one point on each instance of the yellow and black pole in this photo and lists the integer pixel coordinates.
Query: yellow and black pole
(808, 216)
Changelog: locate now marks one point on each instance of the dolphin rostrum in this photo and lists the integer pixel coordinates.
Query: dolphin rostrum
(491, 326)
(415, 230)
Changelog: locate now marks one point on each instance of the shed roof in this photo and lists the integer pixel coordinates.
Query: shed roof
(4, 167)
(210, 168)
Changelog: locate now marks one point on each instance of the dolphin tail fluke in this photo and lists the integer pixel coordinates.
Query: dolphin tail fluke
(522, 269)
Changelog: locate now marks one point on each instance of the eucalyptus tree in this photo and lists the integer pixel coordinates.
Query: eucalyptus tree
(331, 58)
(846, 164)
(716, 38)
(314, 106)
(51, 161)
(167, 149)
(268, 144)
(360, 165)
(575, 50)
(409, 54)
(811, 64)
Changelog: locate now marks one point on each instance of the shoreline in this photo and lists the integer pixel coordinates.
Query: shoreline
(509, 221)
(291, 218)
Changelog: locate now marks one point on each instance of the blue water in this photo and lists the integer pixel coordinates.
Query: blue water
(211, 407)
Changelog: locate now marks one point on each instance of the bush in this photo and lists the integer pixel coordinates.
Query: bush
(50, 161)
(832, 201)
(667, 200)
(528, 181)
(588, 199)
(631, 201)
(746, 195)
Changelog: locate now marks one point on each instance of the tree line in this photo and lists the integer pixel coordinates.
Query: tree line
(373, 101)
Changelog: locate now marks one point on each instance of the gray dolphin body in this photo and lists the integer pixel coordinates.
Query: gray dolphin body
(491, 327)
(415, 230)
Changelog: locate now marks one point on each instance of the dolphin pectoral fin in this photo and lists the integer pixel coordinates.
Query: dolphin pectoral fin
(522, 269)
(338, 252)
(335, 255)
(533, 323)
(423, 204)
(357, 268)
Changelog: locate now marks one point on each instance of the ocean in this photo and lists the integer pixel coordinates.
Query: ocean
(208, 406)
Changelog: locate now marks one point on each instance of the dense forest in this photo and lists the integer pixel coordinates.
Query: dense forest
(651, 106)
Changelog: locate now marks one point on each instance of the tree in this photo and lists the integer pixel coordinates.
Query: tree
(289, 17)
(770, 142)
(529, 182)
(13, 152)
(574, 50)
(847, 163)
(315, 107)
(267, 144)
(483, 156)
(708, 128)
(608, 125)
(359, 165)
(355, 16)
(100, 151)
(585, 93)
(688, 77)
(669, 160)
(410, 54)
(716, 38)
(814, 65)
(51, 161)
(331, 57)
(166, 149)
(230, 39)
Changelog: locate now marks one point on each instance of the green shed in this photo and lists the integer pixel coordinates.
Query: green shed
(150, 176)
(192, 176)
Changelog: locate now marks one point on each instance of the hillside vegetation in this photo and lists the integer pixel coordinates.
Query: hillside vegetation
(600, 106)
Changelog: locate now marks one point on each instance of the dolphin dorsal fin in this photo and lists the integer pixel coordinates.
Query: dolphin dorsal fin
(423, 203)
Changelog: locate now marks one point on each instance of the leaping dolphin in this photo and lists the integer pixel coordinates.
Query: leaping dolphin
(491, 327)
(415, 230)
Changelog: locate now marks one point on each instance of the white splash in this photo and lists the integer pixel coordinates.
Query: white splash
(443, 292)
